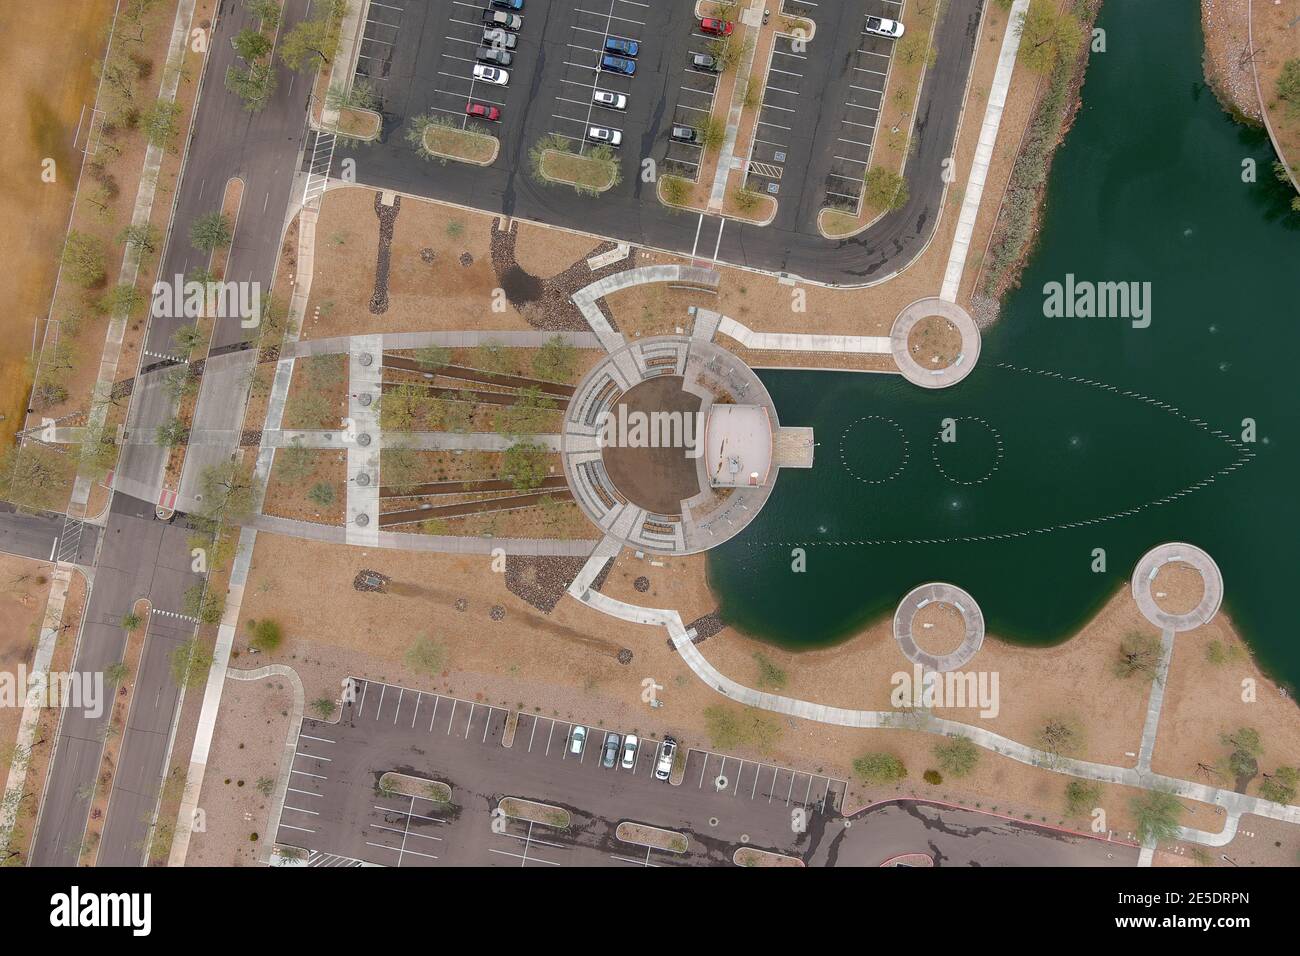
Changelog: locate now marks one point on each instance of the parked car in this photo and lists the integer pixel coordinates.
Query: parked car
(509, 4)
(611, 101)
(683, 134)
(622, 46)
(603, 134)
(664, 765)
(618, 64)
(702, 61)
(510, 21)
(719, 28)
(610, 756)
(577, 739)
(492, 54)
(483, 111)
(491, 74)
(881, 27)
(630, 743)
(501, 39)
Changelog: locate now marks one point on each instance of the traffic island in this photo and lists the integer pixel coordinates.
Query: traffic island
(749, 856)
(531, 811)
(590, 174)
(440, 138)
(642, 834)
(407, 785)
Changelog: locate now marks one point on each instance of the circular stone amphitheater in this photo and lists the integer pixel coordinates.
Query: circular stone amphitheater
(928, 598)
(671, 444)
(1175, 557)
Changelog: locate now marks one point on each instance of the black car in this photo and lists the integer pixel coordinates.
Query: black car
(495, 55)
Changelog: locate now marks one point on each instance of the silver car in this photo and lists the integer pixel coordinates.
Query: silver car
(611, 101)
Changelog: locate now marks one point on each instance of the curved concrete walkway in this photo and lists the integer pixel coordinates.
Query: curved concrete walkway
(1233, 803)
(915, 372)
(966, 606)
(585, 298)
(1177, 552)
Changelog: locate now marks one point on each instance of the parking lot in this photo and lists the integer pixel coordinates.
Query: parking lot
(333, 808)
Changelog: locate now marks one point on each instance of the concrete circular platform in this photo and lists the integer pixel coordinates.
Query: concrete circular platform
(914, 371)
(1177, 552)
(928, 594)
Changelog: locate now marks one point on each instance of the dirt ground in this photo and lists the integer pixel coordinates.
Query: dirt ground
(1177, 588)
(49, 77)
(24, 589)
(1228, 67)
(246, 750)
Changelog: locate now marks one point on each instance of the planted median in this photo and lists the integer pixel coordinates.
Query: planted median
(553, 160)
(443, 138)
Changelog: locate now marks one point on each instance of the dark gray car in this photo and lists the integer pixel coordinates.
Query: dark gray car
(610, 755)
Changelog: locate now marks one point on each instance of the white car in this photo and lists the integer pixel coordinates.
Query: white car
(491, 74)
(603, 134)
(630, 743)
(879, 26)
(611, 101)
(577, 740)
(664, 765)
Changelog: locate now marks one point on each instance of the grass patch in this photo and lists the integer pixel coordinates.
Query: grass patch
(442, 138)
(553, 161)
(731, 726)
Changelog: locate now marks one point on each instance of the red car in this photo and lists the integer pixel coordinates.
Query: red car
(719, 28)
(483, 111)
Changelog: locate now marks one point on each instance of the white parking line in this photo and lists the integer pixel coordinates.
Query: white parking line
(301, 810)
(324, 740)
(853, 141)
(779, 90)
(773, 125)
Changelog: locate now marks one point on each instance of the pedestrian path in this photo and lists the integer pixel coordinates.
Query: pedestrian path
(797, 341)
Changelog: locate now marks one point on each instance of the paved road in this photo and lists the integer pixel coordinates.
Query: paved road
(41, 536)
(142, 557)
(332, 807)
(411, 74)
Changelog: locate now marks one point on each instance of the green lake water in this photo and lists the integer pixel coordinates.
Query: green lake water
(1147, 188)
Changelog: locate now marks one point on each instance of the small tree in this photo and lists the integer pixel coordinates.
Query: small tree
(313, 42)
(211, 232)
(525, 465)
(1081, 797)
(1139, 653)
(1243, 761)
(265, 635)
(556, 360)
(202, 603)
(190, 663)
(266, 11)
(1059, 736)
(1288, 87)
(321, 494)
(879, 768)
(172, 432)
(1280, 785)
(885, 189)
(116, 673)
(83, 259)
(957, 756)
(123, 299)
(251, 44)
(131, 621)
(143, 239)
(1157, 813)
(1048, 36)
(253, 85)
(323, 707)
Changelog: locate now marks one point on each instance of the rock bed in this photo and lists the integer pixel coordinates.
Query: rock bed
(541, 580)
(387, 217)
(553, 310)
(705, 627)
(361, 583)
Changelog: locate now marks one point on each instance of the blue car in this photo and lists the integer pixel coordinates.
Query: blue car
(621, 46)
(617, 64)
(509, 4)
